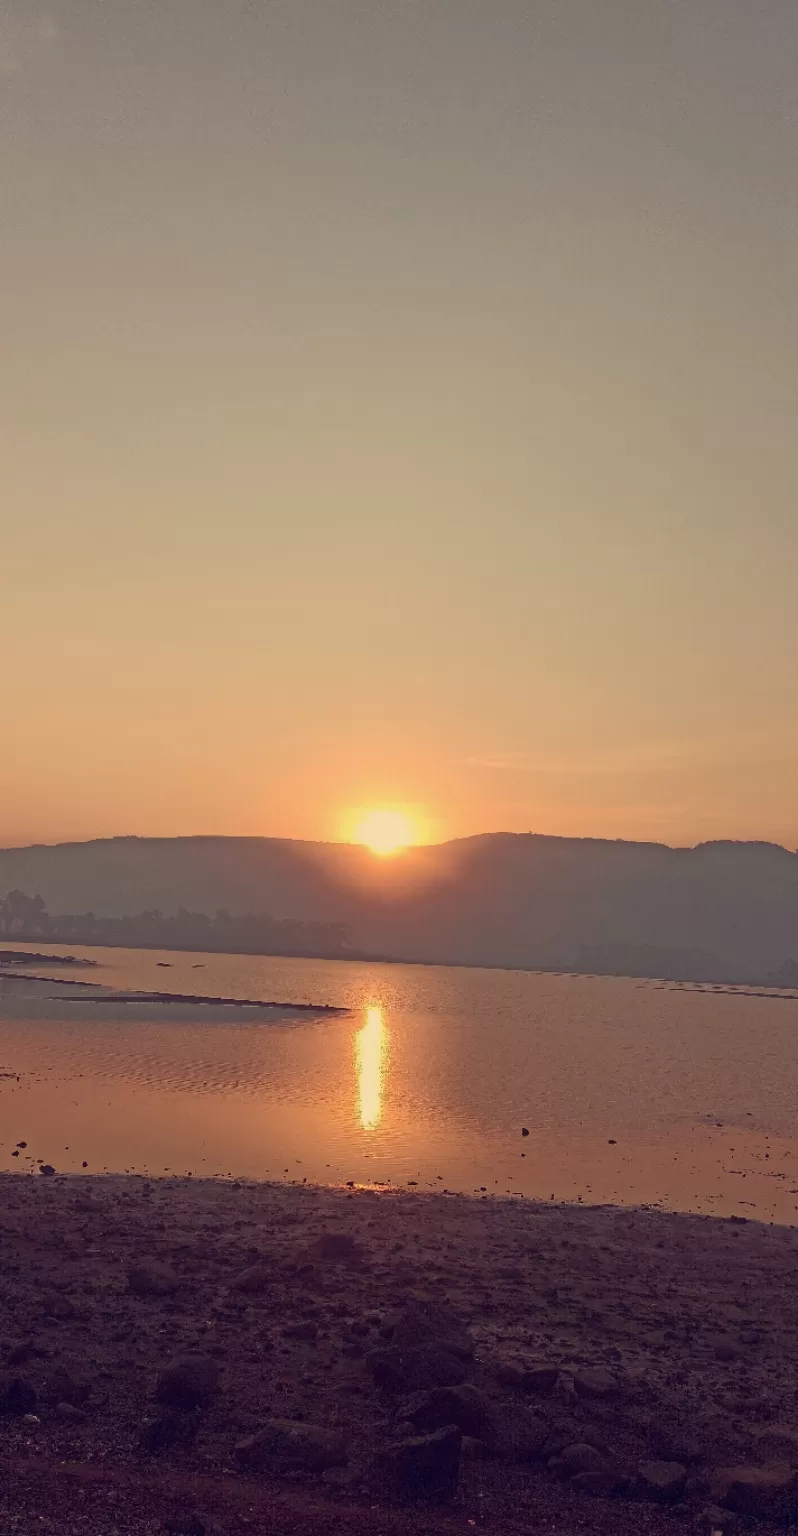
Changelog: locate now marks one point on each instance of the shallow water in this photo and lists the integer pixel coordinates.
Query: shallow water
(632, 1092)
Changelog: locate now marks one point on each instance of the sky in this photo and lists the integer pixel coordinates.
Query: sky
(397, 407)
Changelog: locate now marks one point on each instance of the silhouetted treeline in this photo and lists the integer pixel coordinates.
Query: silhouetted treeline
(26, 917)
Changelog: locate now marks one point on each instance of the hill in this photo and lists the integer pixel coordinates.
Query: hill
(721, 910)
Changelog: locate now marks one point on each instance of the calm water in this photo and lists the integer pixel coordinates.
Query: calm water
(632, 1091)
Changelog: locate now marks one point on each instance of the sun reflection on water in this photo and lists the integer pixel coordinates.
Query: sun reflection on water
(370, 1059)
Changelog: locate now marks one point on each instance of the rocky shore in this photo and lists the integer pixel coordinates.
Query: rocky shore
(206, 1357)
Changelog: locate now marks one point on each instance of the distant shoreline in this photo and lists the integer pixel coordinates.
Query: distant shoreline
(765, 987)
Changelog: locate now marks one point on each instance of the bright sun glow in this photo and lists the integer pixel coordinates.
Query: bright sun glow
(386, 832)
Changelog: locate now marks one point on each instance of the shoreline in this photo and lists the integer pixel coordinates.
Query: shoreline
(758, 986)
(653, 1339)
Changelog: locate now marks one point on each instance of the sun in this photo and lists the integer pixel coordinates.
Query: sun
(386, 832)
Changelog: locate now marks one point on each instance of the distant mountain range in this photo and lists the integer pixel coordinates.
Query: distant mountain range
(720, 911)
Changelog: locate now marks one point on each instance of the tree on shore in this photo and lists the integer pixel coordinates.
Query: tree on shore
(23, 914)
(26, 917)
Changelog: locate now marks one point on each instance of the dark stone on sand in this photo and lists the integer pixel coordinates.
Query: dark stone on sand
(577, 1459)
(464, 1406)
(511, 1373)
(47, 1169)
(60, 1307)
(662, 1481)
(422, 1467)
(597, 1382)
(287, 1445)
(343, 1478)
(522, 1377)
(164, 1430)
(415, 1369)
(252, 1281)
(191, 1381)
(474, 1450)
(524, 1131)
(19, 1353)
(766, 1493)
(306, 1332)
(541, 1378)
(185, 1525)
(17, 1395)
(337, 1248)
(713, 1518)
(424, 1322)
(64, 1386)
(152, 1278)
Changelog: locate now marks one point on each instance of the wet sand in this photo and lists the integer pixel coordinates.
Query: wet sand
(638, 1336)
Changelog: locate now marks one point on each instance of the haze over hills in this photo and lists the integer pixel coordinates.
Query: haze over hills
(722, 910)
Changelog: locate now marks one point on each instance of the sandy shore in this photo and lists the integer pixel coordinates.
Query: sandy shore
(374, 1362)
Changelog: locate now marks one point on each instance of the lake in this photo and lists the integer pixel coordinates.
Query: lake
(632, 1092)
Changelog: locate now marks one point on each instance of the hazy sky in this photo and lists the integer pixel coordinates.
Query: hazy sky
(398, 403)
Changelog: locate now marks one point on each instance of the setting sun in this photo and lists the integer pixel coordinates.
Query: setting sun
(386, 832)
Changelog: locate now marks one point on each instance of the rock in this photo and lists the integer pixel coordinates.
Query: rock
(17, 1395)
(511, 1373)
(187, 1525)
(596, 1484)
(344, 1478)
(661, 1481)
(415, 1369)
(474, 1450)
(425, 1466)
(152, 1278)
(47, 1169)
(562, 1436)
(60, 1307)
(519, 1434)
(337, 1248)
(577, 1459)
(769, 1493)
(252, 1281)
(776, 1442)
(19, 1353)
(306, 1332)
(427, 1322)
(597, 1382)
(63, 1386)
(713, 1518)
(165, 1430)
(188, 1382)
(287, 1445)
(70, 1413)
(541, 1378)
(463, 1406)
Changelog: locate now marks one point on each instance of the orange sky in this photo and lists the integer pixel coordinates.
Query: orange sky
(398, 406)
